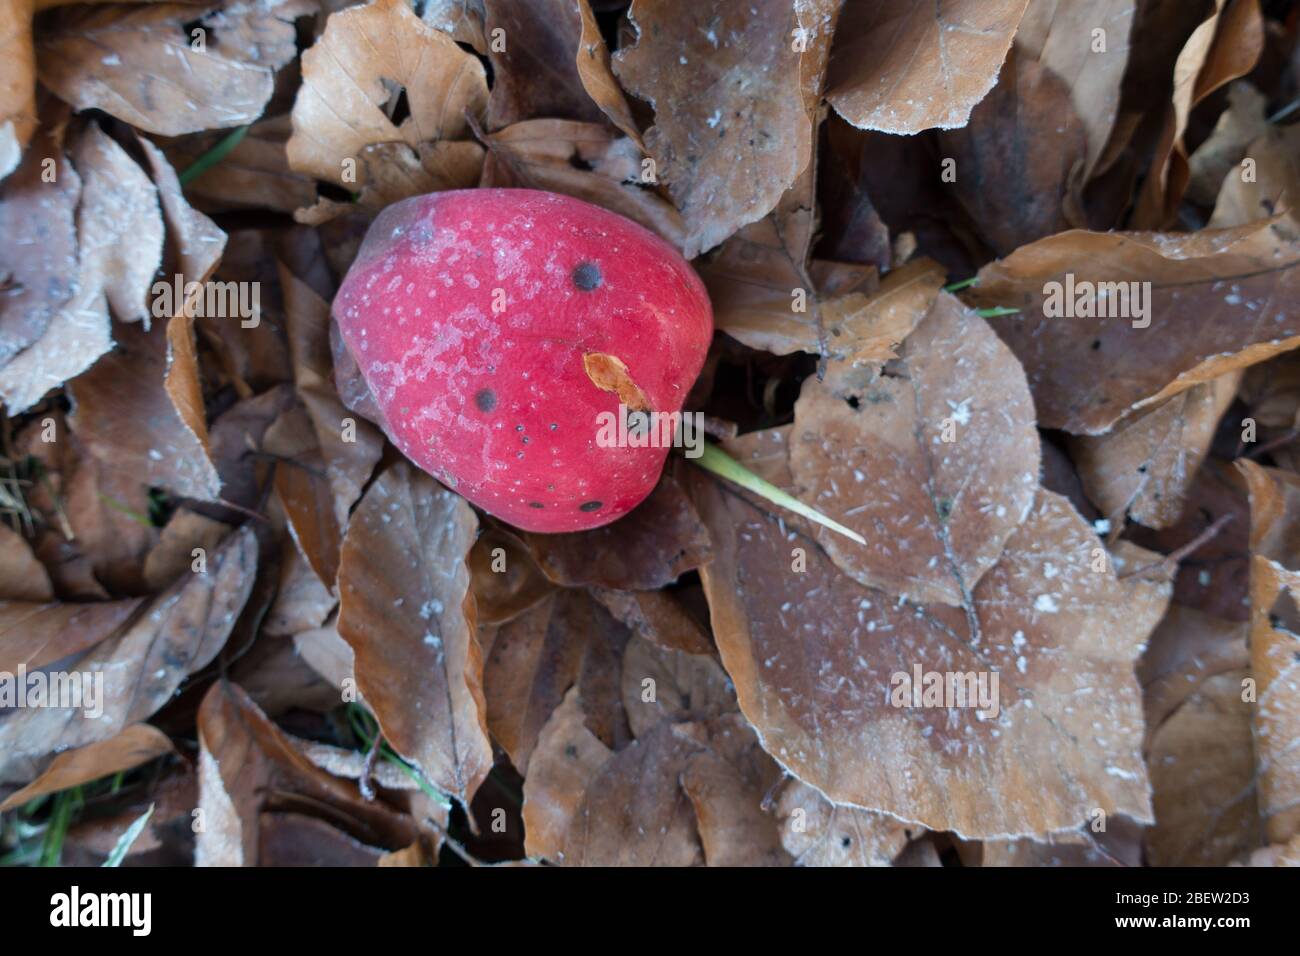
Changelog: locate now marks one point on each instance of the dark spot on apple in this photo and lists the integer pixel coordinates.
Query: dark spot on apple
(536, 504)
(587, 276)
(591, 506)
(485, 399)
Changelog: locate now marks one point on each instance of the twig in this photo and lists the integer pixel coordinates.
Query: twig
(1175, 557)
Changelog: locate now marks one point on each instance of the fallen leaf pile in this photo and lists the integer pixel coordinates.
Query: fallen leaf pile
(1008, 288)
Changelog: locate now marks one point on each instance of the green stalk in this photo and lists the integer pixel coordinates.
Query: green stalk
(717, 461)
(213, 156)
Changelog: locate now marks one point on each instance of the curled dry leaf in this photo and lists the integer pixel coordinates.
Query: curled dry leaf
(1200, 753)
(584, 160)
(40, 257)
(506, 580)
(566, 640)
(366, 57)
(22, 576)
(1145, 464)
(634, 812)
(406, 611)
(138, 666)
(539, 38)
(817, 832)
(727, 784)
(658, 617)
(566, 758)
(125, 416)
(350, 449)
(173, 554)
(816, 659)
(135, 745)
(735, 131)
(1226, 45)
(597, 75)
(660, 684)
(1053, 32)
(170, 68)
(1241, 124)
(1211, 302)
(250, 770)
(1274, 599)
(651, 546)
(903, 67)
(1013, 188)
(935, 462)
(462, 20)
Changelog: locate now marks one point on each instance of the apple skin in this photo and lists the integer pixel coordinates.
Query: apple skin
(470, 313)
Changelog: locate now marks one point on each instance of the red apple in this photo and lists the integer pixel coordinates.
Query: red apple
(495, 326)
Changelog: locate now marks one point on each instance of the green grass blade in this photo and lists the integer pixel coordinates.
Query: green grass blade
(124, 842)
(213, 156)
(717, 461)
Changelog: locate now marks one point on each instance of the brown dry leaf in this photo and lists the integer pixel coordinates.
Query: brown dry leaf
(173, 554)
(727, 785)
(1225, 46)
(634, 812)
(139, 666)
(194, 242)
(249, 771)
(22, 576)
(1200, 752)
(815, 658)
(350, 448)
(366, 57)
(39, 258)
(328, 655)
(754, 280)
(506, 580)
(658, 617)
(1054, 32)
(1144, 465)
(585, 160)
(651, 546)
(535, 64)
(304, 492)
(462, 20)
(1272, 187)
(597, 75)
(1216, 303)
(817, 832)
(1062, 849)
(535, 659)
(406, 610)
(63, 329)
(143, 64)
(1239, 125)
(125, 416)
(122, 232)
(903, 67)
(734, 131)
(18, 83)
(1010, 186)
(935, 462)
(661, 684)
(302, 601)
(567, 756)
(39, 635)
(1274, 660)
(135, 745)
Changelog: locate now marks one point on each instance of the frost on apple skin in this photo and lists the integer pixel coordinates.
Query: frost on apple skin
(470, 315)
